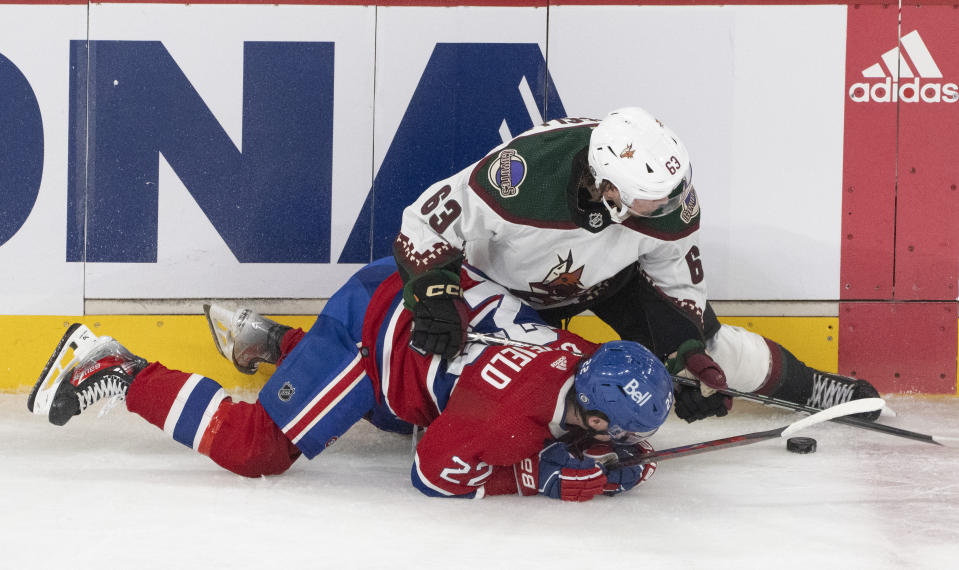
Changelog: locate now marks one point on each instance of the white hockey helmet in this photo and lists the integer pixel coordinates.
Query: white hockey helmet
(641, 157)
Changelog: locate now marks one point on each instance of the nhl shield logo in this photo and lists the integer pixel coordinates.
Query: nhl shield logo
(286, 392)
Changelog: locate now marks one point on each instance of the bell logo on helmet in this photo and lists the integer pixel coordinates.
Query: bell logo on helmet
(632, 390)
(901, 83)
(507, 171)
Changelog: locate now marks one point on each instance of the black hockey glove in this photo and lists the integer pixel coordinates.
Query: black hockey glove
(691, 405)
(439, 313)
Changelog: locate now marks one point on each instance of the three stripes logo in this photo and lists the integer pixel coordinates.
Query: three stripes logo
(903, 75)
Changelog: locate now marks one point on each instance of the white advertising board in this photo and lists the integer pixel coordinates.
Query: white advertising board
(754, 92)
(34, 104)
(266, 151)
(207, 44)
(407, 37)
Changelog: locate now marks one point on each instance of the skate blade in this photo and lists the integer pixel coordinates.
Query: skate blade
(73, 346)
(220, 328)
(220, 321)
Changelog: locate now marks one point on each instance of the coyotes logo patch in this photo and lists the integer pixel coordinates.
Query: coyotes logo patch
(561, 282)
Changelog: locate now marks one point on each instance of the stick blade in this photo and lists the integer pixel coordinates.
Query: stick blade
(845, 409)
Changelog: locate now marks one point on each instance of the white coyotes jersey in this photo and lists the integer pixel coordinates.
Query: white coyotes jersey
(508, 216)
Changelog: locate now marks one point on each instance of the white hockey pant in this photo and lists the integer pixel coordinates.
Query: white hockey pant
(744, 357)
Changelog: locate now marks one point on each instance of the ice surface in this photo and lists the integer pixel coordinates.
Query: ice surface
(115, 492)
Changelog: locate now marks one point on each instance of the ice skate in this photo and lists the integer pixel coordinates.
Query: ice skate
(244, 337)
(831, 389)
(83, 370)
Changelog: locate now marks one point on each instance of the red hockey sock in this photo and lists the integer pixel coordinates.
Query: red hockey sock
(197, 412)
(288, 342)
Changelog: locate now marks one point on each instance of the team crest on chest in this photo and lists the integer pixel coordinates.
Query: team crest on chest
(561, 282)
(507, 171)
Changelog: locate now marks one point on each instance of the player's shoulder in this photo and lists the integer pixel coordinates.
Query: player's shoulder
(536, 150)
(516, 370)
(525, 180)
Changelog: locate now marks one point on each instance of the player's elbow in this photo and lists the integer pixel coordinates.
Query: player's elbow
(431, 489)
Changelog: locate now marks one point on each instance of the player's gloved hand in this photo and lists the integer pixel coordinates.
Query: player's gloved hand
(692, 405)
(692, 356)
(439, 312)
(620, 479)
(561, 475)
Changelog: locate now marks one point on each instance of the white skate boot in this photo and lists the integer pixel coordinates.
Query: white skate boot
(83, 370)
(244, 337)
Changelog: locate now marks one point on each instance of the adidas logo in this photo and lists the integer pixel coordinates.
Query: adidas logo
(902, 81)
(560, 363)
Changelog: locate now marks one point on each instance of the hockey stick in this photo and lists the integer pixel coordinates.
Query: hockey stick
(770, 401)
(494, 340)
(764, 400)
(852, 407)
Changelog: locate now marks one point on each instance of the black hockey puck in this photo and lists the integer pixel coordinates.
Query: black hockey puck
(801, 445)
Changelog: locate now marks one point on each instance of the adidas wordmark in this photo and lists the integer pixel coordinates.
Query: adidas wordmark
(900, 82)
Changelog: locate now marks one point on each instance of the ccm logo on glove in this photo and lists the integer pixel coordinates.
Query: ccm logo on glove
(444, 290)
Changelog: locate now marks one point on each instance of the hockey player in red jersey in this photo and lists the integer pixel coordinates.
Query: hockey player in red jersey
(500, 419)
(578, 214)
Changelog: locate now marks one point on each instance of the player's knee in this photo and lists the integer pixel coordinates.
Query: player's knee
(247, 442)
(254, 462)
(743, 355)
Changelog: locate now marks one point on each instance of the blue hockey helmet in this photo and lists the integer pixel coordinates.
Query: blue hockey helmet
(625, 382)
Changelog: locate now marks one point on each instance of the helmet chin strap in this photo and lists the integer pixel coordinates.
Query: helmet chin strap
(618, 215)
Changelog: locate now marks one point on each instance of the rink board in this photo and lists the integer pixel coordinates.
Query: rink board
(260, 149)
(266, 151)
(184, 342)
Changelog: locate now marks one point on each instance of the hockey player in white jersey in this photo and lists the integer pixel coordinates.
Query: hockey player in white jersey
(579, 214)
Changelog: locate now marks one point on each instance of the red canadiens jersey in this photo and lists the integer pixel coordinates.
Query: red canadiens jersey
(486, 410)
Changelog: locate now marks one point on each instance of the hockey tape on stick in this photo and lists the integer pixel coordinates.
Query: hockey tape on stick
(494, 340)
(860, 406)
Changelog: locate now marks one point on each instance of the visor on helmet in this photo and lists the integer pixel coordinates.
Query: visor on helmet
(620, 435)
(673, 202)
